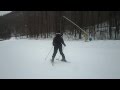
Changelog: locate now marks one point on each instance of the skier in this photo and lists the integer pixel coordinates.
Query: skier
(57, 43)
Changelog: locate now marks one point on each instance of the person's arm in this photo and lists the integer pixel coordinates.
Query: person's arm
(63, 42)
(53, 41)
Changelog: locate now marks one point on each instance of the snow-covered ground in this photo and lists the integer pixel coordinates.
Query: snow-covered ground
(25, 59)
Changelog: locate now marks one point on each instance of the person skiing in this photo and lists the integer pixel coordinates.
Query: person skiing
(57, 43)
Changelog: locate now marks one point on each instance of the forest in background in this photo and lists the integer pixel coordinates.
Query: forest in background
(43, 24)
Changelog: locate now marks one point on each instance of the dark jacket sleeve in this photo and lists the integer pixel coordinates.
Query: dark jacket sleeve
(62, 41)
(53, 41)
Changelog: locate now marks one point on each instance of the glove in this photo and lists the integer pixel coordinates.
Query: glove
(65, 45)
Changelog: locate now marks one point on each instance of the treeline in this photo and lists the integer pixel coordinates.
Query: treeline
(41, 24)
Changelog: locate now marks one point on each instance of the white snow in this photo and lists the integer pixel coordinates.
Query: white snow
(25, 59)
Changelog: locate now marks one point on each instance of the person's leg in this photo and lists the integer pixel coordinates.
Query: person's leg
(55, 52)
(62, 54)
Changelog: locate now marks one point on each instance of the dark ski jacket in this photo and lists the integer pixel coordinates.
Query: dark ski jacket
(58, 40)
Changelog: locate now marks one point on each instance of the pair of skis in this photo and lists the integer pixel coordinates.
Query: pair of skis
(58, 60)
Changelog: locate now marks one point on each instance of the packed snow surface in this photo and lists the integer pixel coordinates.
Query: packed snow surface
(25, 59)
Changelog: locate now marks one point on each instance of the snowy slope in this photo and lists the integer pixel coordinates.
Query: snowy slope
(89, 60)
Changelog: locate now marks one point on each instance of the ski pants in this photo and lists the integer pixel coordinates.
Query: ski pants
(60, 50)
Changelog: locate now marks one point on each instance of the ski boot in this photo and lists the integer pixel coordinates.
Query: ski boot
(64, 60)
(52, 61)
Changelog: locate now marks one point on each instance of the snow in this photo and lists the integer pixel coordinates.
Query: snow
(25, 59)
(4, 12)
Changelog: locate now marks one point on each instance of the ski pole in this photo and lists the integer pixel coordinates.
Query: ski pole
(49, 53)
